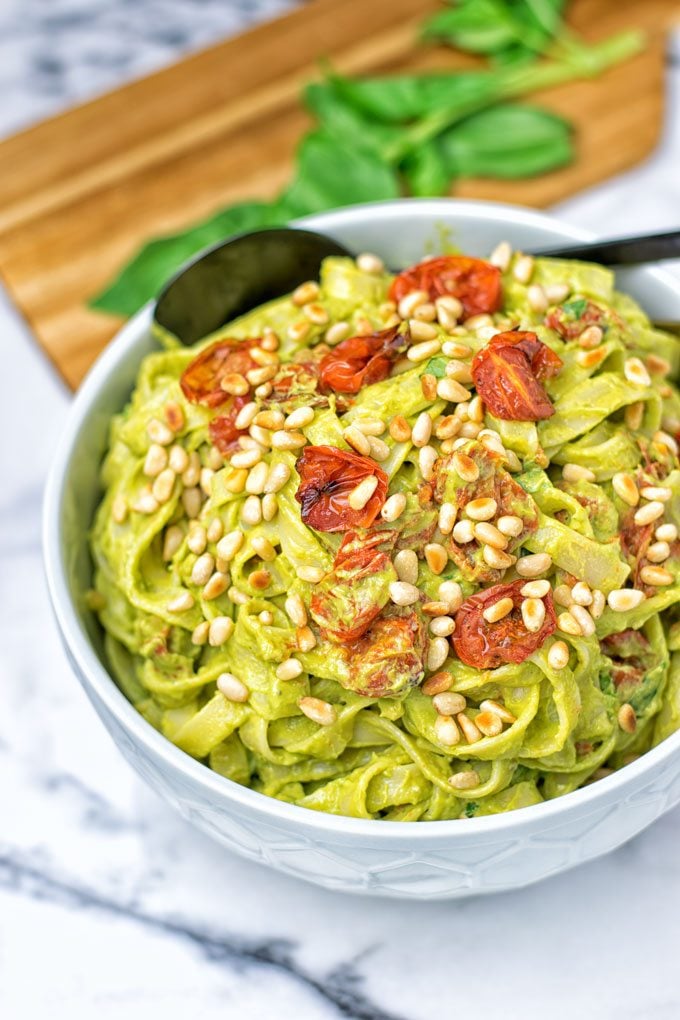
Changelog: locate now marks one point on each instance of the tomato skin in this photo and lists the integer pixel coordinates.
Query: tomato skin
(348, 599)
(506, 375)
(201, 379)
(476, 283)
(222, 430)
(360, 361)
(489, 645)
(388, 659)
(327, 476)
(569, 327)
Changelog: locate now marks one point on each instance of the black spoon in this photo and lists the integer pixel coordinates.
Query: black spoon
(237, 275)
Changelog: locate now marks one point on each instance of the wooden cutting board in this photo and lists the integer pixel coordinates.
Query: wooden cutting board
(81, 192)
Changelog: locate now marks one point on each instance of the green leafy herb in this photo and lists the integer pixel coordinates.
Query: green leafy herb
(471, 808)
(436, 367)
(575, 308)
(376, 136)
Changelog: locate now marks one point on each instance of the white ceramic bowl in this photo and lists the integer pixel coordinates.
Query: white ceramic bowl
(421, 860)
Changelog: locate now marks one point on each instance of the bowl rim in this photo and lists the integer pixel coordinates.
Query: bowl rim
(98, 681)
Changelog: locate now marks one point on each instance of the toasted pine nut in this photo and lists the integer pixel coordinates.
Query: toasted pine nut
(310, 574)
(220, 630)
(357, 440)
(321, 712)
(569, 625)
(557, 292)
(298, 418)
(181, 603)
(197, 539)
(199, 634)
(447, 518)
(245, 458)
(422, 430)
(437, 653)
(481, 509)
(465, 467)
(623, 599)
(284, 440)
(368, 262)
(463, 532)
(163, 485)
(584, 619)
(305, 639)
(501, 255)
(496, 558)
(455, 349)
(581, 594)
(590, 338)
(659, 492)
(232, 688)
(591, 359)
(436, 557)
(533, 614)
(634, 414)
(442, 626)
(403, 593)
(380, 451)
(393, 507)
(576, 473)
(295, 608)
(450, 592)
(174, 536)
(533, 565)
(308, 291)
(510, 526)
(498, 709)
(437, 683)
(289, 669)
(470, 731)
(499, 610)
(427, 458)
(422, 332)
(216, 586)
(264, 548)
(445, 730)
(562, 596)
(489, 723)
(178, 459)
(666, 533)
(257, 479)
(159, 433)
(488, 534)
(664, 439)
(625, 488)
(635, 372)
(535, 589)
(422, 351)
(627, 719)
(155, 461)
(596, 608)
(192, 501)
(399, 429)
(537, 298)
(649, 512)
(316, 313)
(234, 384)
(452, 391)
(656, 576)
(448, 702)
(658, 552)
(336, 333)
(119, 511)
(523, 268)
(406, 566)
(466, 780)
(361, 493)
(558, 655)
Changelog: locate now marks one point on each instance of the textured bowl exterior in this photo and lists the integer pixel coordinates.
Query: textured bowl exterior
(435, 860)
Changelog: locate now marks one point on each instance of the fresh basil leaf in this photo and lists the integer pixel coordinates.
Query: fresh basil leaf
(427, 170)
(436, 367)
(343, 120)
(331, 173)
(144, 276)
(507, 141)
(575, 308)
(407, 97)
(482, 26)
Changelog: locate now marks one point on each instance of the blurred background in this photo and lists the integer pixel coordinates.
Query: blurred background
(108, 902)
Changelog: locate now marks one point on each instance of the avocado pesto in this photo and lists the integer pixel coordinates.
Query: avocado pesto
(404, 548)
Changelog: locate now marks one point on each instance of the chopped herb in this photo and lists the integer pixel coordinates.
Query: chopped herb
(575, 308)
(471, 808)
(436, 367)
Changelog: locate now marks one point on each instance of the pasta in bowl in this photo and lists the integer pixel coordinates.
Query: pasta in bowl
(403, 547)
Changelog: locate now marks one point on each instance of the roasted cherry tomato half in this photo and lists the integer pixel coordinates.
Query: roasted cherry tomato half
(506, 374)
(222, 430)
(353, 593)
(489, 645)
(388, 659)
(361, 360)
(476, 283)
(327, 477)
(201, 380)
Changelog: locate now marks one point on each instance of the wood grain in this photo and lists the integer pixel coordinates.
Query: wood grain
(80, 193)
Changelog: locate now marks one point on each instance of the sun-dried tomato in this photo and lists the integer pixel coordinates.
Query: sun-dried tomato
(295, 384)
(488, 645)
(350, 596)
(506, 374)
(327, 477)
(388, 659)
(476, 283)
(201, 380)
(361, 360)
(571, 318)
(223, 432)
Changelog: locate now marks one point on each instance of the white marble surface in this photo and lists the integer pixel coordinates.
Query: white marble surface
(110, 906)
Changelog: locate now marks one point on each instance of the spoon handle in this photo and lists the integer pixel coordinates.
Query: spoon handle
(623, 251)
